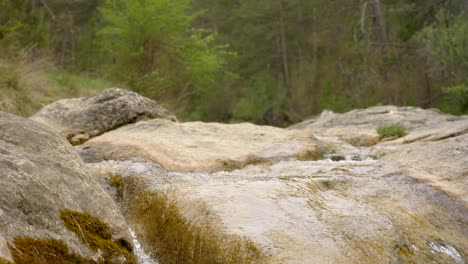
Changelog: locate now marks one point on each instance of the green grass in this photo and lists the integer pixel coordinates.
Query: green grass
(75, 83)
(26, 87)
(391, 131)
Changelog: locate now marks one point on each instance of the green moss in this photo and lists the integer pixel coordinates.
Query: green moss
(96, 234)
(391, 131)
(41, 251)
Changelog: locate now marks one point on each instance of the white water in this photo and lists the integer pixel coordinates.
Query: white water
(449, 251)
(143, 257)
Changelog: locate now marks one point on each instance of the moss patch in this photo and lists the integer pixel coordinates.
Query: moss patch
(42, 251)
(391, 131)
(174, 239)
(4, 261)
(96, 235)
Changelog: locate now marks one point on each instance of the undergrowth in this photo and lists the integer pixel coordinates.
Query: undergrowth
(26, 87)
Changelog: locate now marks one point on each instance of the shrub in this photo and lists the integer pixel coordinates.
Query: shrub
(391, 131)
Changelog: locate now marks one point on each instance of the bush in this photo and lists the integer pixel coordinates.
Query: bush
(391, 131)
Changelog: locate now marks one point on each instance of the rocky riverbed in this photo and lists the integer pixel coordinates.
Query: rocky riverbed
(327, 190)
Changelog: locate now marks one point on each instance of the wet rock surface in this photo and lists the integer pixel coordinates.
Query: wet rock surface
(80, 119)
(40, 175)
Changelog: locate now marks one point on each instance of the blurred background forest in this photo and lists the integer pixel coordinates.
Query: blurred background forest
(264, 61)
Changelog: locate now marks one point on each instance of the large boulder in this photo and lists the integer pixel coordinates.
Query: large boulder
(358, 127)
(43, 183)
(80, 119)
(201, 146)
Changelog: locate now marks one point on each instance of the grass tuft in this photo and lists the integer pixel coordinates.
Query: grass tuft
(174, 239)
(391, 131)
(96, 234)
(44, 251)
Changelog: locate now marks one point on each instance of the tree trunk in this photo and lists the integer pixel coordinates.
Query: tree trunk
(284, 49)
(379, 21)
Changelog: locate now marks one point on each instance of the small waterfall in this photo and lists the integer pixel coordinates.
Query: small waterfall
(143, 257)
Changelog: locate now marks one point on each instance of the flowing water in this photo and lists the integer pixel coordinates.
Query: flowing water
(143, 257)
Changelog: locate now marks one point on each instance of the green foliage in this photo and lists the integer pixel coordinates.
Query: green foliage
(74, 83)
(44, 251)
(21, 26)
(456, 100)
(96, 234)
(448, 39)
(220, 60)
(158, 52)
(391, 131)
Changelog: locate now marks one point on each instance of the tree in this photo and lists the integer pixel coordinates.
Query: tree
(152, 45)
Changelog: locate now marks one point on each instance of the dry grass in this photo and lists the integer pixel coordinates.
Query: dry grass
(27, 86)
(23, 86)
(176, 240)
(167, 233)
(44, 251)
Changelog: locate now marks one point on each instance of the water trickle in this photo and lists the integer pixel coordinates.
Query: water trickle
(343, 151)
(449, 251)
(143, 257)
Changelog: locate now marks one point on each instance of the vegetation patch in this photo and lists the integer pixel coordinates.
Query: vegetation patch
(391, 131)
(174, 239)
(96, 234)
(43, 251)
(4, 261)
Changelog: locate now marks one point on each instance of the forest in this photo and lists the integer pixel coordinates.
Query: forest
(271, 62)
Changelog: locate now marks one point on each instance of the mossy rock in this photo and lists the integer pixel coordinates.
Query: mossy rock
(96, 234)
(41, 251)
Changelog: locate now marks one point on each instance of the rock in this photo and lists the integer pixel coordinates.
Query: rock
(80, 119)
(201, 146)
(298, 211)
(352, 210)
(358, 127)
(436, 132)
(41, 177)
(441, 163)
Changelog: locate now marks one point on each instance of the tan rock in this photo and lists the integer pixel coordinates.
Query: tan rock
(80, 119)
(201, 146)
(358, 127)
(441, 163)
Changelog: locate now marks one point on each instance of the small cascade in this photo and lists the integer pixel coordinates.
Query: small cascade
(343, 151)
(143, 257)
(449, 251)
